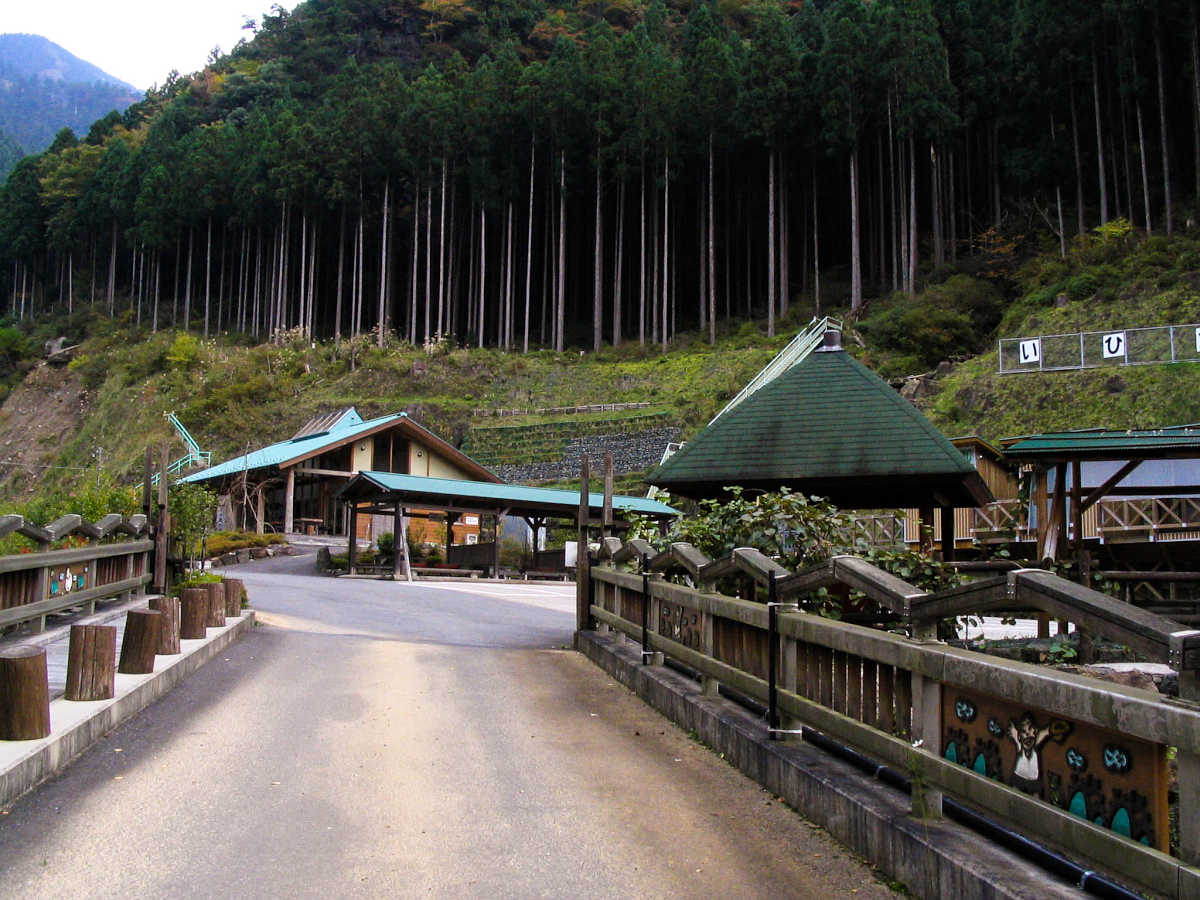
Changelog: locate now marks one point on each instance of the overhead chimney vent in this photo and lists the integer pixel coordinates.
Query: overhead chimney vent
(832, 341)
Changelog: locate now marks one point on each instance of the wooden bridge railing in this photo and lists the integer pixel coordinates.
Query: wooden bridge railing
(1076, 762)
(33, 585)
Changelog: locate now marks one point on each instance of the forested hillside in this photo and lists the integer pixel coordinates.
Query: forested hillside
(44, 89)
(515, 174)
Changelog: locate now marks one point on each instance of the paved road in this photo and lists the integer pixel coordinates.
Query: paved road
(376, 739)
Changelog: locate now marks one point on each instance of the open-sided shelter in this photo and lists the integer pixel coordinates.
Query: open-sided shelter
(830, 427)
(393, 494)
(292, 485)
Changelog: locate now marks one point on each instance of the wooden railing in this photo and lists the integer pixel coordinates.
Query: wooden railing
(35, 584)
(882, 530)
(1064, 758)
(1148, 515)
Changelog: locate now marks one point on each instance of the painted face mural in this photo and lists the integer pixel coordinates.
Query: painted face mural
(1111, 780)
(1027, 770)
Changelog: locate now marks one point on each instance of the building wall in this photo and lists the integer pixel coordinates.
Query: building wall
(363, 455)
(425, 462)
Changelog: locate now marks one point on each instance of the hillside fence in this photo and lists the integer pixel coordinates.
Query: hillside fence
(1077, 763)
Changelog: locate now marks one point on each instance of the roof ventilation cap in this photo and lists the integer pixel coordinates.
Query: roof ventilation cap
(833, 341)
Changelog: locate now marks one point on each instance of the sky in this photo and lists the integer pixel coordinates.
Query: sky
(138, 41)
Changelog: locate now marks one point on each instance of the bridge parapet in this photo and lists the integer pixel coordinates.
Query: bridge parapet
(1078, 763)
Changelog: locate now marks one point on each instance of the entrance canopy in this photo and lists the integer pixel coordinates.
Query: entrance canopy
(475, 496)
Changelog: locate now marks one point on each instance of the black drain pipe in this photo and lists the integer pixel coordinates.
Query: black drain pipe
(1053, 862)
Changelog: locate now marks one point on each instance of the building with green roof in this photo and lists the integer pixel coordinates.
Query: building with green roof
(827, 426)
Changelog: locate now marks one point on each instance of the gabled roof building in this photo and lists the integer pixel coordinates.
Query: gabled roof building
(292, 485)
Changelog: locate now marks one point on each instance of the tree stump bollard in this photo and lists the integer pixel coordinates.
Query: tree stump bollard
(140, 642)
(193, 617)
(91, 662)
(24, 694)
(168, 625)
(216, 604)
(233, 596)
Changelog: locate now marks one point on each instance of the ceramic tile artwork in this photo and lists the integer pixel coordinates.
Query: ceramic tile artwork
(62, 580)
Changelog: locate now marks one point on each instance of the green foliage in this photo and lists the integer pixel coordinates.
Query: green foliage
(386, 542)
(184, 352)
(192, 507)
(795, 530)
(194, 579)
(220, 542)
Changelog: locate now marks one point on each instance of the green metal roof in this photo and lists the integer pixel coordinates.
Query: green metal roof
(1178, 440)
(827, 426)
(417, 490)
(286, 451)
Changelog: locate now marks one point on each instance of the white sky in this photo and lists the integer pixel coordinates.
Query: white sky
(138, 41)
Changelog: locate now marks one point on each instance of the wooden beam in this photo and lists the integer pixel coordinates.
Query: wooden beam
(1115, 479)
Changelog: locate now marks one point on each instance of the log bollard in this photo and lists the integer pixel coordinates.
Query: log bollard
(216, 604)
(91, 662)
(24, 694)
(193, 617)
(168, 625)
(233, 596)
(140, 642)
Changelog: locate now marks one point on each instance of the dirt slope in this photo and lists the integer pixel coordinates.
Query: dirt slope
(47, 408)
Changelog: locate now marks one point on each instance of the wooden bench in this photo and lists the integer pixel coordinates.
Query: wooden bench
(449, 573)
(534, 575)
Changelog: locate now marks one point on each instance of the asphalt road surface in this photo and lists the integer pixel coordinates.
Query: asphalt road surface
(391, 740)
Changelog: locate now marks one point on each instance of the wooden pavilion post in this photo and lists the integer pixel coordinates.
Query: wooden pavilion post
(500, 514)
(1087, 646)
(925, 527)
(399, 545)
(289, 502)
(606, 519)
(948, 536)
(352, 549)
(583, 610)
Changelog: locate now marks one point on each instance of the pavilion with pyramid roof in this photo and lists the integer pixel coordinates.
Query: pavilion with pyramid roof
(818, 421)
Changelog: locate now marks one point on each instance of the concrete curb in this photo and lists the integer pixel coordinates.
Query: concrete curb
(933, 858)
(75, 726)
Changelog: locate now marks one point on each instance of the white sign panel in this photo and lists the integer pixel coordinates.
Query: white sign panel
(1112, 345)
(1031, 351)
(1198, 340)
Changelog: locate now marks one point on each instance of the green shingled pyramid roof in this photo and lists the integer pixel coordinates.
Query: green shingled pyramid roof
(828, 427)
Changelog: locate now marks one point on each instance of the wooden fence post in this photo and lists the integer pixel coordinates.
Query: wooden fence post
(139, 644)
(193, 617)
(163, 528)
(91, 662)
(583, 612)
(24, 694)
(216, 604)
(234, 588)
(168, 629)
(1184, 660)
(926, 728)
